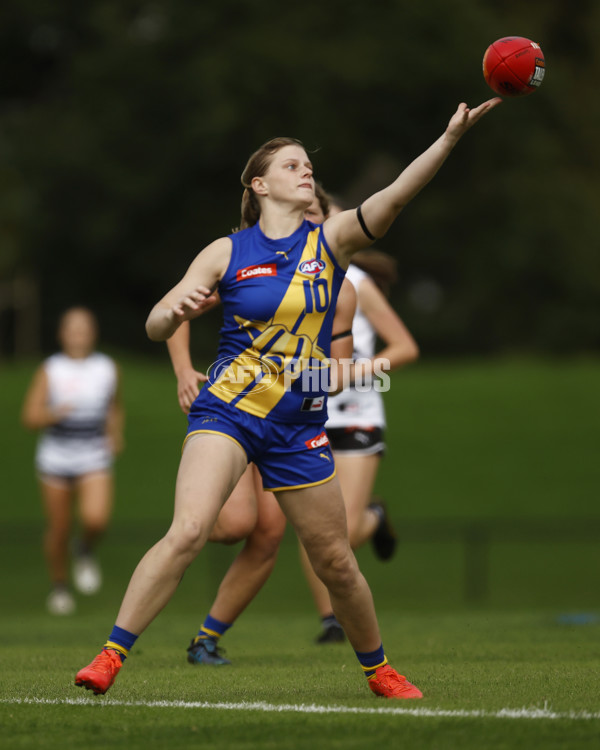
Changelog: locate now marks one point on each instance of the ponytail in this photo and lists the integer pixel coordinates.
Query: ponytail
(250, 209)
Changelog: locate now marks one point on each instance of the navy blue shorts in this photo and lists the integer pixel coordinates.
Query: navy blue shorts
(288, 456)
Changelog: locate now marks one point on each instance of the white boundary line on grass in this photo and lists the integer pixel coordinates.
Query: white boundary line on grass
(421, 711)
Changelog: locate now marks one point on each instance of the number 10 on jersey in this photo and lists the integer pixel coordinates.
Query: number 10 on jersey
(316, 295)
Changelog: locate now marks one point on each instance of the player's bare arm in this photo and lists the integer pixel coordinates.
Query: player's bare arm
(187, 376)
(189, 298)
(400, 347)
(341, 335)
(115, 419)
(37, 414)
(344, 231)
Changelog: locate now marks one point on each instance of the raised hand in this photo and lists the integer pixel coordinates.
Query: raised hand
(464, 117)
(194, 304)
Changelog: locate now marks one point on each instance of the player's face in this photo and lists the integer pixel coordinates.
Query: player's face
(290, 176)
(314, 212)
(77, 334)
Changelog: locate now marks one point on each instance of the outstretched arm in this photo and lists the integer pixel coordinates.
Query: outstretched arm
(344, 232)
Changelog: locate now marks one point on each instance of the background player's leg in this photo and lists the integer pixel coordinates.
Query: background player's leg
(238, 516)
(56, 498)
(252, 567)
(246, 576)
(357, 475)
(57, 501)
(95, 501)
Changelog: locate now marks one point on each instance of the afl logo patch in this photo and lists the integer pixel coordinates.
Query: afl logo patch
(312, 267)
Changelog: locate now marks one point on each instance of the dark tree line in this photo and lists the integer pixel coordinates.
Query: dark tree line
(124, 127)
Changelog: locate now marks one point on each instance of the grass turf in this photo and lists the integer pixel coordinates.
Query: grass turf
(464, 662)
(500, 444)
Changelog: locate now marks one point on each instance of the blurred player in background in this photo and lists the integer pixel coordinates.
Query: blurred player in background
(74, 400)
(356, 419)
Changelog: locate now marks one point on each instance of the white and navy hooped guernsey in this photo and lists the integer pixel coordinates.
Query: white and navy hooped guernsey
(77, 445)
(279, 298)
(352, 407)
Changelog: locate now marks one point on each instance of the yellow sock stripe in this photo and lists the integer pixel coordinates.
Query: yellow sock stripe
(372, 669)
(116, 647)
(212, 633)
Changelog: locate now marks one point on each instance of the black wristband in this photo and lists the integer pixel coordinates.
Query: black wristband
(363, 226)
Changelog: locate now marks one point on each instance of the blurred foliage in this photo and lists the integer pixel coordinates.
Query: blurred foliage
(124, 127)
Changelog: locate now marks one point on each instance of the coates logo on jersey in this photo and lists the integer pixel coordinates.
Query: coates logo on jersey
(251, 272)
(317, 442)
(312, 267)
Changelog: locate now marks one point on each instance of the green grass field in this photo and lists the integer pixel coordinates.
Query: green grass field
(491, 605)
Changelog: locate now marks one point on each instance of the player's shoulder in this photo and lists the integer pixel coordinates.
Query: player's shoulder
(58, 359)
(219, 247)
(213, 258)
(99, 366)
(102, 360)
(217, 250)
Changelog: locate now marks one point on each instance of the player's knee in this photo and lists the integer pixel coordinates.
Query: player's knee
(96, 526)
(268, 539)
(338, 570)
(271, 544)
(188, 537)
(232, 532)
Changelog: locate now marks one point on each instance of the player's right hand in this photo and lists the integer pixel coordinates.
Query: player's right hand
(194, 304)
(187, 387)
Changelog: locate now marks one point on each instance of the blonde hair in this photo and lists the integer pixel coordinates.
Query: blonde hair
(257, 166)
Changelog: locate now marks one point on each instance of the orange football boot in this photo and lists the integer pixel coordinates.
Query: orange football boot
(100, 674)
(388, 683)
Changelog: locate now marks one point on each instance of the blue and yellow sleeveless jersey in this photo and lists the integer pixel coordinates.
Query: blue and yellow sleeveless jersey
(279, 299)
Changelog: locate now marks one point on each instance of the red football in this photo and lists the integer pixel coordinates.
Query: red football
(514, 66)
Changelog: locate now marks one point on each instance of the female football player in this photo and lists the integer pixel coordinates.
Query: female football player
(74, 401)
(250, 514)
(278, 279)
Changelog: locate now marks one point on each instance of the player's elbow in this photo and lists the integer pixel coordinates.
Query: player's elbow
(404, 353)
(29, 421)
(160, 324)
(154, 330)
(413, 352)
(153, 334)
